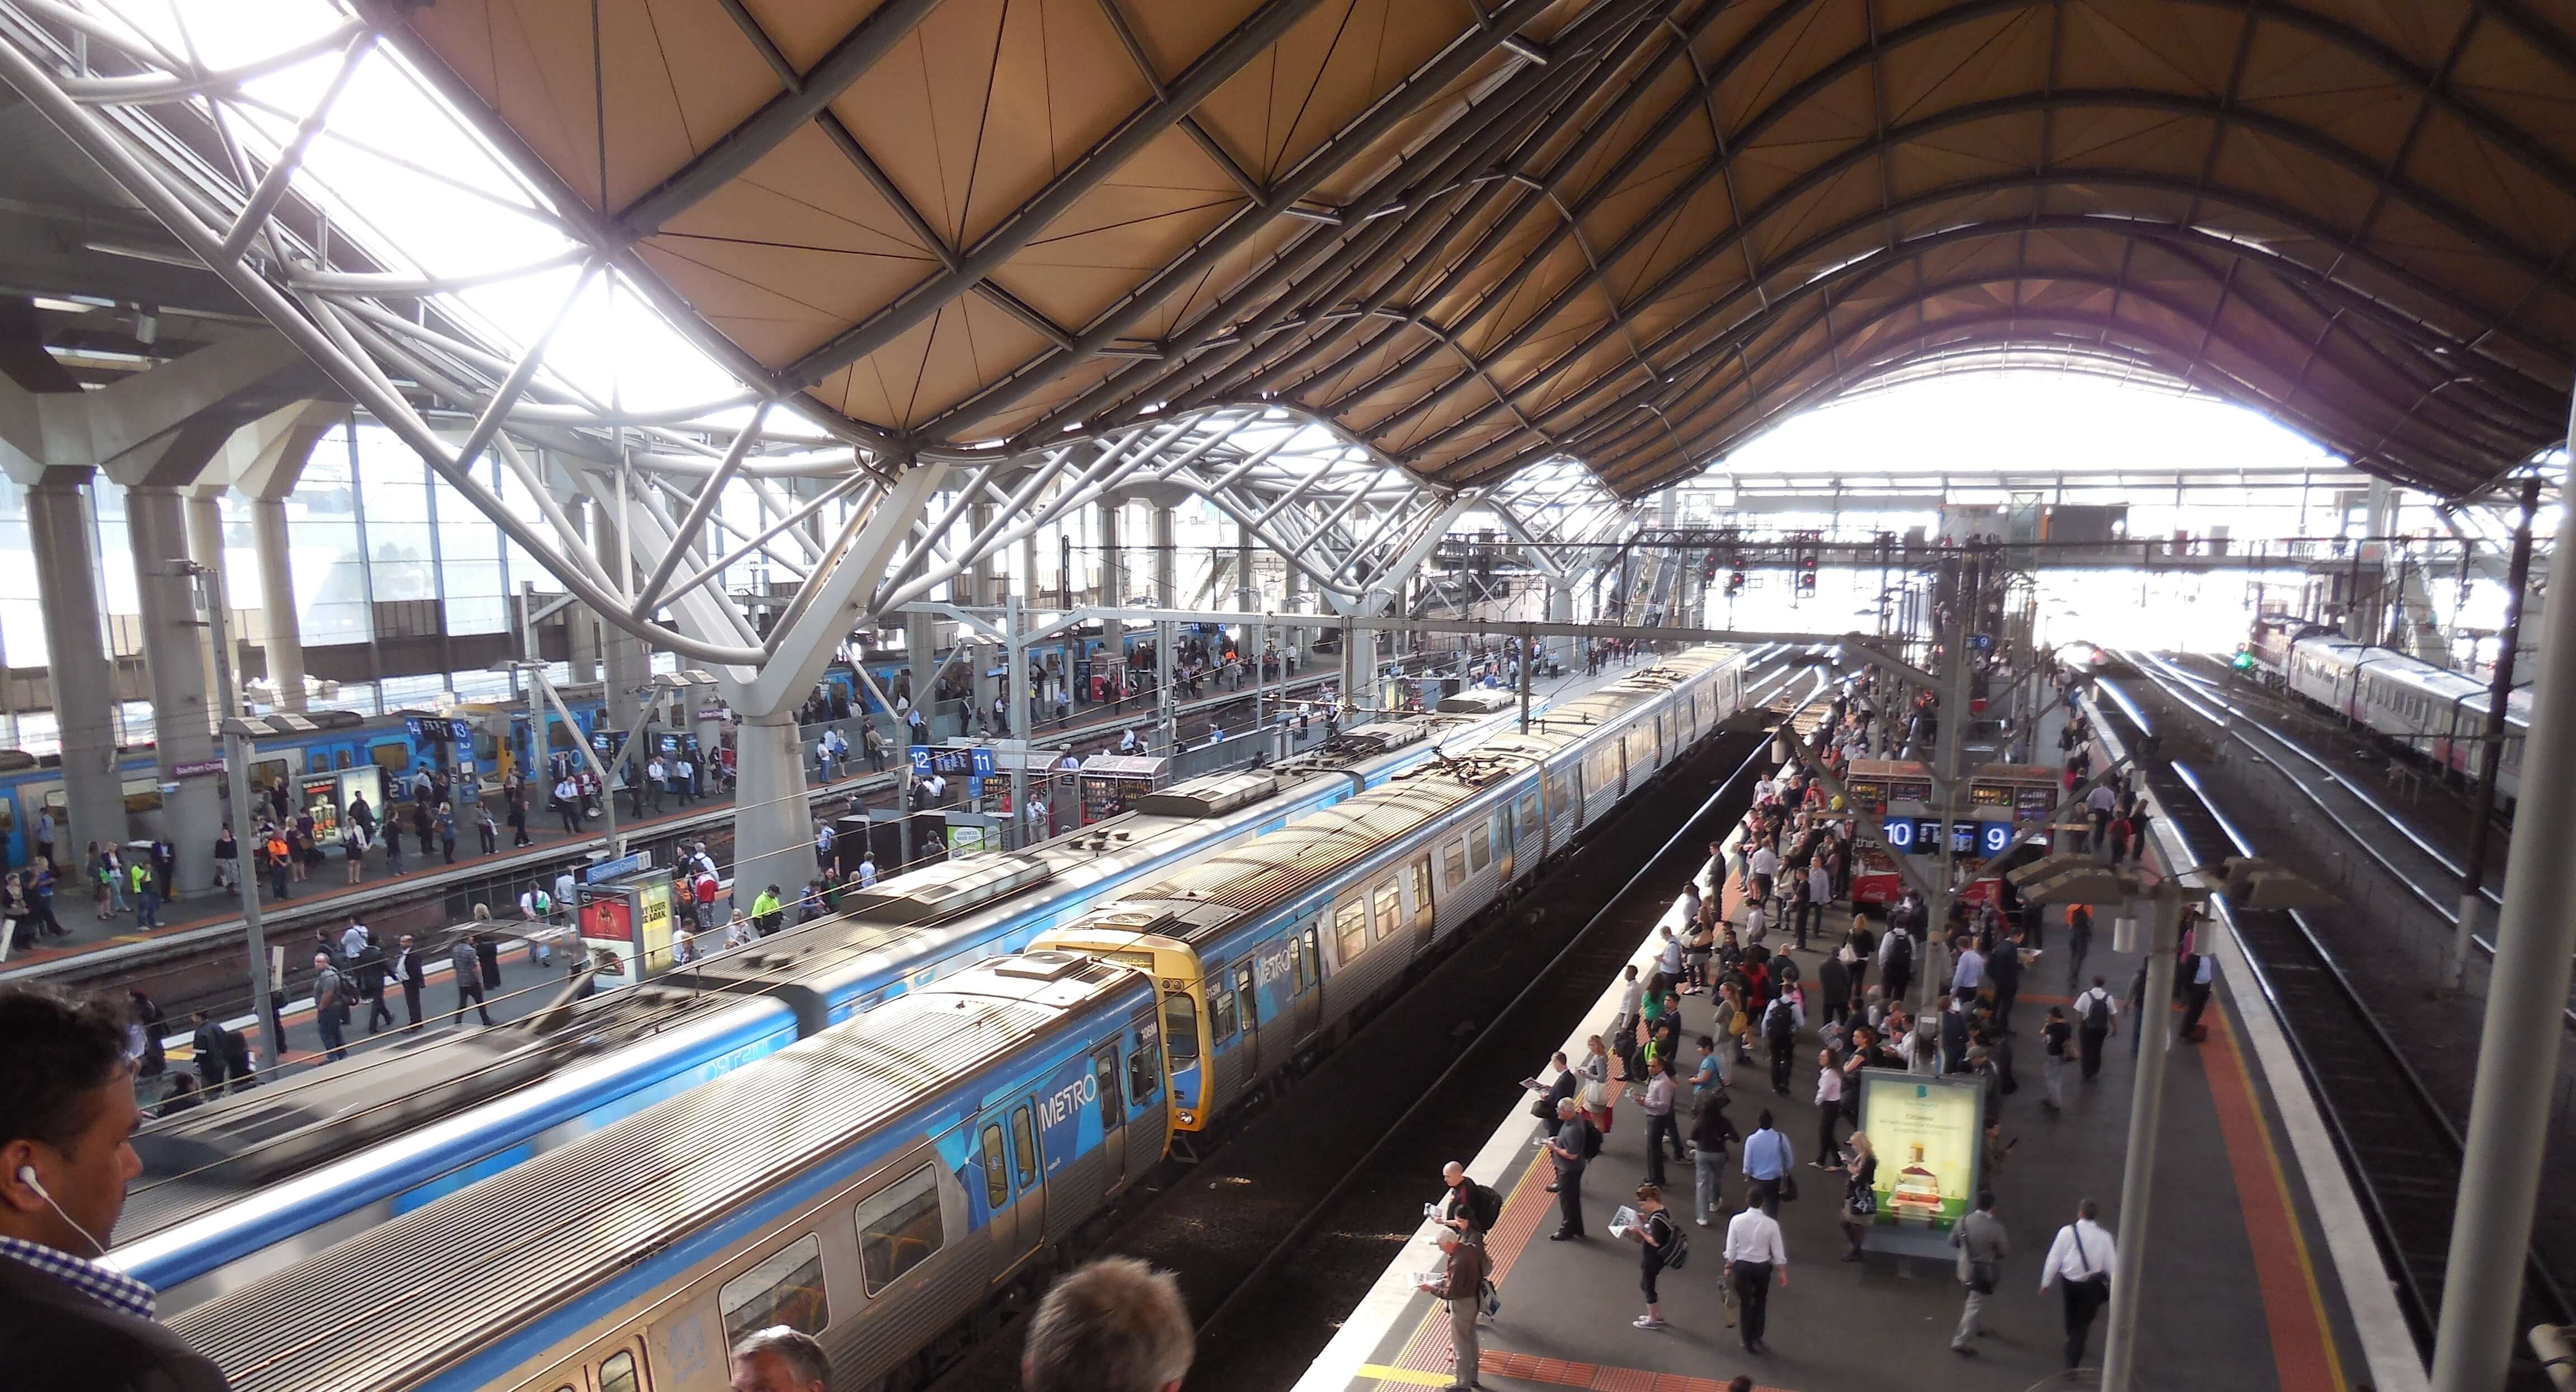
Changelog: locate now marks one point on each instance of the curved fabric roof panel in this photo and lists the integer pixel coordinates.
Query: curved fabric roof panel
(1479, 233)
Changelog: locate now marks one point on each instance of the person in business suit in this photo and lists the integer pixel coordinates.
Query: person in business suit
(407, 969)
(66, 1109)
(369, 964)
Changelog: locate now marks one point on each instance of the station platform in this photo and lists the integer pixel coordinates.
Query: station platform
(2254, 1277)
(328, 899)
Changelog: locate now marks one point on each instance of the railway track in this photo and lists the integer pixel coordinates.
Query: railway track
(2401, 1146)
(2426, 873)
(1282, 1228)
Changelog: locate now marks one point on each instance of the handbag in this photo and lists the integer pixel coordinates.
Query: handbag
(1862, 1202)
(1788, 1186)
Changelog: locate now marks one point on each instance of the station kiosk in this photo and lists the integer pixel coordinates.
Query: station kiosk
(1113, 783)
(1896, 795)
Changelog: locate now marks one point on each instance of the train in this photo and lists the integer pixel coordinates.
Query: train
(886, 1179)
(238, 1188)
(2429, 713)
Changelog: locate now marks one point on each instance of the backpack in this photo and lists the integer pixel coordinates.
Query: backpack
(2097, 1011)
(1591, 1141)
(1900, 949)
(1679, 1255)
(1779, 1021)
(1485, 1206)
(545, 904)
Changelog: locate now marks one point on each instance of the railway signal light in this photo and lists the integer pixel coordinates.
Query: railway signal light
(1735, 582)
(1807, 573)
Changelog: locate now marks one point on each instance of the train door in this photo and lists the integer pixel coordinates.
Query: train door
(1503, 838)
(1425, 919)
(1307, 956)
(1247, 994)
(1532, 826)
(1028, 1166)
(1113, 1117)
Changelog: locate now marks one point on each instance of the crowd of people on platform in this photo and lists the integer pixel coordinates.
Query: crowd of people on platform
(1794, 999)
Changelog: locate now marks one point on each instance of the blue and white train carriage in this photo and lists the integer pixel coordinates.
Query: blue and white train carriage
(883, 1181)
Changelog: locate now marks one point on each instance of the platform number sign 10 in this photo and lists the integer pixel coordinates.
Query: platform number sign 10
(1898, 832)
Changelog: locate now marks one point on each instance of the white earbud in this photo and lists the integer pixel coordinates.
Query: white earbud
(27, 1176)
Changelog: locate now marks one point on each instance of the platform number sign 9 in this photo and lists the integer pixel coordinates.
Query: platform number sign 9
(1992, 837)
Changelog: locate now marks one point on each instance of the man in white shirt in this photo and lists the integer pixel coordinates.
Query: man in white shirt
(2081, 1260)
(2102, 803)
(660, 777)
(1763, 865)
(1126, 741)
(1754, 1253)
(2096, 1014)
(1623, 1027)
(2203, 976)
(565, 888)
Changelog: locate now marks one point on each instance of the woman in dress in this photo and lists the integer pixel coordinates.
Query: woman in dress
(1860, 1197)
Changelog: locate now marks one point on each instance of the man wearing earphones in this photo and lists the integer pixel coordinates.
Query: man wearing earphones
(66, 1110)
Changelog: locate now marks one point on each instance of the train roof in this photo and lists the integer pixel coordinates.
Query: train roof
(432, 1290)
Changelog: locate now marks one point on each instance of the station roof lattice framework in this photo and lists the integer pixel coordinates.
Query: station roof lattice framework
(1471, 235)
(1479, 233)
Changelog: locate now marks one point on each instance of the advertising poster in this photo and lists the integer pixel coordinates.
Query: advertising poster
(655, 900)
(1927, 1133)
(607, 918)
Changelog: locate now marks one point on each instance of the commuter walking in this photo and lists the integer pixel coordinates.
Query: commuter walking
(1661, 1128)
(485, 829)
(1568, 1149)
(2098, 1013)
(1982, 1245)
(330, 1006)
(369, 965)
(212, 1048)
(2199, 976)
(1461, 1283)
(2054, 1036)
(1710, 1133)
(2079, 942)
(1780, 1033)
(407, 971)
(1860, 1191)
(1767, 1158)
(1756, 1256)
(466, 970)
(1657, 1243)
(2080, 1261)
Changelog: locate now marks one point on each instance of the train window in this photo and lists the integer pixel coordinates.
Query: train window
(1556, 794)
(1024, 1145)
(900, 1227)
(1104, 1069)
(1181, 1027)
(1221, 1021)
(1145, 1073)
(1311, 952)
(1350, 928)
(1480, 846)
(1251, 998)
(1528, 821)
(618, 1373)
(1389, 910)
(997, 1178)
(786, 1288)
(1453, 865)
(340, 759)
(1301, 968)
(1421, 891)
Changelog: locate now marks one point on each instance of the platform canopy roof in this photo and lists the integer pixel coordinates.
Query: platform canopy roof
(1480, 233)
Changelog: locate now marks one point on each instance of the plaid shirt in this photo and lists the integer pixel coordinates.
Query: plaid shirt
(113, 1289)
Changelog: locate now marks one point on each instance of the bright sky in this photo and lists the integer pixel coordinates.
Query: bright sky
(2024, 420)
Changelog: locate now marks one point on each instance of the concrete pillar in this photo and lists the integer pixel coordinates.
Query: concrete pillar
(1247, 594)
(921, 655)
(1027, 588)
(1167, 559)
(624, 664)
(1294, 602)
(1560, 609)
(986, 593)
(60, 527)
(174, 650)
(772, 828)
(283, 633)
(1113, 561)
(206, 548)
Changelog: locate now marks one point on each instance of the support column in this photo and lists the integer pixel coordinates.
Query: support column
(1247, 594)
(987, 593)
(921, 655)
(1294, 601)
(60, 527)
(174, 651)
(281, 633)
(1113, 561)
(206, 547)
(1167, 559)
(773, 834)
(1560, 609)
(624, 664)
(2526, 992)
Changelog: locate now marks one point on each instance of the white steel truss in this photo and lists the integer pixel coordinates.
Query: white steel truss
(469, 365)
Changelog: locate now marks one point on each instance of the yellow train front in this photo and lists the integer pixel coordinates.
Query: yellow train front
(1268, 950)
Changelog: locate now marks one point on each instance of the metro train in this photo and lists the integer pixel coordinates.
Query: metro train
(890, 1176)
(2431, 714)
(239, 1188)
